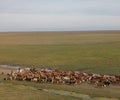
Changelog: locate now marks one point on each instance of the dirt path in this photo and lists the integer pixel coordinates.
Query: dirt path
(77, 95)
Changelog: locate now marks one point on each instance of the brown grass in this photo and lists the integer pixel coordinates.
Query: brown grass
(58, 37)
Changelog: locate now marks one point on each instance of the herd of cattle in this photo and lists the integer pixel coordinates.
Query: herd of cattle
(63, 77)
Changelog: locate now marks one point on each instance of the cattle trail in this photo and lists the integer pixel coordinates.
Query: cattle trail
(74, 94)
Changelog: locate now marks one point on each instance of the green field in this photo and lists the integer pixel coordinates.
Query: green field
(97, 51)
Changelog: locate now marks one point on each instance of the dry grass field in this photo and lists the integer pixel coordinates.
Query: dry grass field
(97, 52)
(88, 51)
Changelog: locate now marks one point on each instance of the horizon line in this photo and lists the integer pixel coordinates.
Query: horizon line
(61, 31)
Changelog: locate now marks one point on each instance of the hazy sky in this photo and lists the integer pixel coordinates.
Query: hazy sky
(59, 15)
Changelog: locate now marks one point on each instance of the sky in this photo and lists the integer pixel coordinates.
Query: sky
(59, 15)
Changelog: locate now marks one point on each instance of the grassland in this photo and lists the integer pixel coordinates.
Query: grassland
(88, 51)
(97, 51)
(26, 91)
(21, 90)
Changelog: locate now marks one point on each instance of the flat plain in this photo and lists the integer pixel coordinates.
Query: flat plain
(95, 51)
